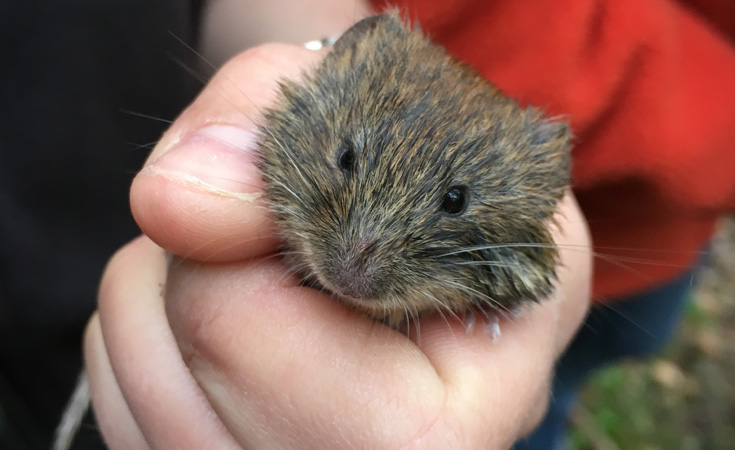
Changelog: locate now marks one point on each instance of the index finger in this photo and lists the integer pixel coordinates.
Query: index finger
(199, 193)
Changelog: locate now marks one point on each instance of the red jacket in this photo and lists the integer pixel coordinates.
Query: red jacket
(649, 87)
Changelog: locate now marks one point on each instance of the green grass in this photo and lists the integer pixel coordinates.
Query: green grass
(685, 398)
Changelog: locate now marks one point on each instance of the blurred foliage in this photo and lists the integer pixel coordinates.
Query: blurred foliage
(684, 399)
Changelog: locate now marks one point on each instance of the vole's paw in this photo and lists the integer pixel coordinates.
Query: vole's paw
(490, 322)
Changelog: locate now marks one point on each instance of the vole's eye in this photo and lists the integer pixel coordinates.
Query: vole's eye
(455, 200)
(347, 159)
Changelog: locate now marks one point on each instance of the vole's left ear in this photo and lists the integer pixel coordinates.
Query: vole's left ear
(388, 25)
(549, 147)
(551, 142)
(551, 132)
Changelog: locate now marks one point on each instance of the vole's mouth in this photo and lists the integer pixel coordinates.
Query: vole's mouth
(352, 297)
(352, 277)
(371, 305)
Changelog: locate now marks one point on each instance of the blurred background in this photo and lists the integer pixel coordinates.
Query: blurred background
(71, 72)
(77, 79)
(685, 398)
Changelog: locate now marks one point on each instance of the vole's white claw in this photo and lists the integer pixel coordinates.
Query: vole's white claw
(469, 319)
(491, 323)
(492, 326)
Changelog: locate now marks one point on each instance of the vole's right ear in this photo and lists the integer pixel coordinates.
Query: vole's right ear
(387, 23)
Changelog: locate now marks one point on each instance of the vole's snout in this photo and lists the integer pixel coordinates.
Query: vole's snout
(355, 272)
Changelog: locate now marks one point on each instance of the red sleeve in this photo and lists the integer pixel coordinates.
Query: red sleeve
(648, 85)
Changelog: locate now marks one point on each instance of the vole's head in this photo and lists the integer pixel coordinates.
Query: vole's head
(404, 182)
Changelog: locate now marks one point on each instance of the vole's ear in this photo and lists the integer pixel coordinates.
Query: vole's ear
(388, 24)
(551, 142)
(551, 132)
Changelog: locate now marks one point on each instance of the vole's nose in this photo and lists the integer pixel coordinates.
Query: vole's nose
(355, 284)
(355, 272)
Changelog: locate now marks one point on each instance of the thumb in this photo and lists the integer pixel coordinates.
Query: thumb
(198, 195)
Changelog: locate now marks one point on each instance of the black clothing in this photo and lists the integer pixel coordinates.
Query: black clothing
(72, 72)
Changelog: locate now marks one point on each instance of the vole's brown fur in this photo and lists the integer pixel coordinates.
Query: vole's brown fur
(358, 159)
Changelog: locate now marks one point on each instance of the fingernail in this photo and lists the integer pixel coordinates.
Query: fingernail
(218, 158)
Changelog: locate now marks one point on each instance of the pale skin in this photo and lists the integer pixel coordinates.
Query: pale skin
(237, 354)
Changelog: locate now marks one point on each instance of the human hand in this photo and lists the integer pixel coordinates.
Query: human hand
(239, 355)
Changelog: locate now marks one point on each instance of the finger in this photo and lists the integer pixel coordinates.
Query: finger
(113, 416)
(521, 363)
(288, 367)
(269, 353)
(199, 193)
(285, 364)
(165, 401)
(574, 271)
